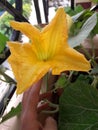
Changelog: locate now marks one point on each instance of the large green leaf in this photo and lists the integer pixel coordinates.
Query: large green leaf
(79, 107)
(3, 40)
(84, 31)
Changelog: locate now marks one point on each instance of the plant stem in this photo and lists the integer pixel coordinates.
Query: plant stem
(89, 56)
(95, 81)
(46, 79)
(93, 49)
(56, 106)
(70, 75)
(45, 84)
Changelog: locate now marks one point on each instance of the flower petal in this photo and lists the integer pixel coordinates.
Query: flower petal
(70, 60)
(26, 28)
(26, 74)
(30, 75)
(69, 21)
(25, 65)
(23, 52)
(55, 34)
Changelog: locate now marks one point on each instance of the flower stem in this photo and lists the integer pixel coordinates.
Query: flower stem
(56, 106)
(95, 81)
(89, 56)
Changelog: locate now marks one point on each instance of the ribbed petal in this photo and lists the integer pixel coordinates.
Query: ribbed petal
(24, 52)
(30, 75)
(69, 59)
(25, 65)
(30, 31)
(55, 34)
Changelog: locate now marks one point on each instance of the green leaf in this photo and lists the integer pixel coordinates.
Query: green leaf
(79, 107)
(95, 30)
(79, 8)
(72, 12)
(95, 1)
(3, 40)
(12, 113)
(84, 31)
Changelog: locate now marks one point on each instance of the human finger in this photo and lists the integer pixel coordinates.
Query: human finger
(25, 96)
(50, 124)
(31, 97)
(34, 94)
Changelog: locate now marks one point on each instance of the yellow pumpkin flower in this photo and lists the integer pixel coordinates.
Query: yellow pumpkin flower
(48, 50)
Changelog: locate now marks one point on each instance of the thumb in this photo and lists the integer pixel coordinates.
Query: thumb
(50, 124)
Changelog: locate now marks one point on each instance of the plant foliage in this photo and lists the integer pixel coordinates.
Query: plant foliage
(3, 40)
(79, 107)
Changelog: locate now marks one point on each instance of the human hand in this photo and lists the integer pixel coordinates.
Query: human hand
(29, 116)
